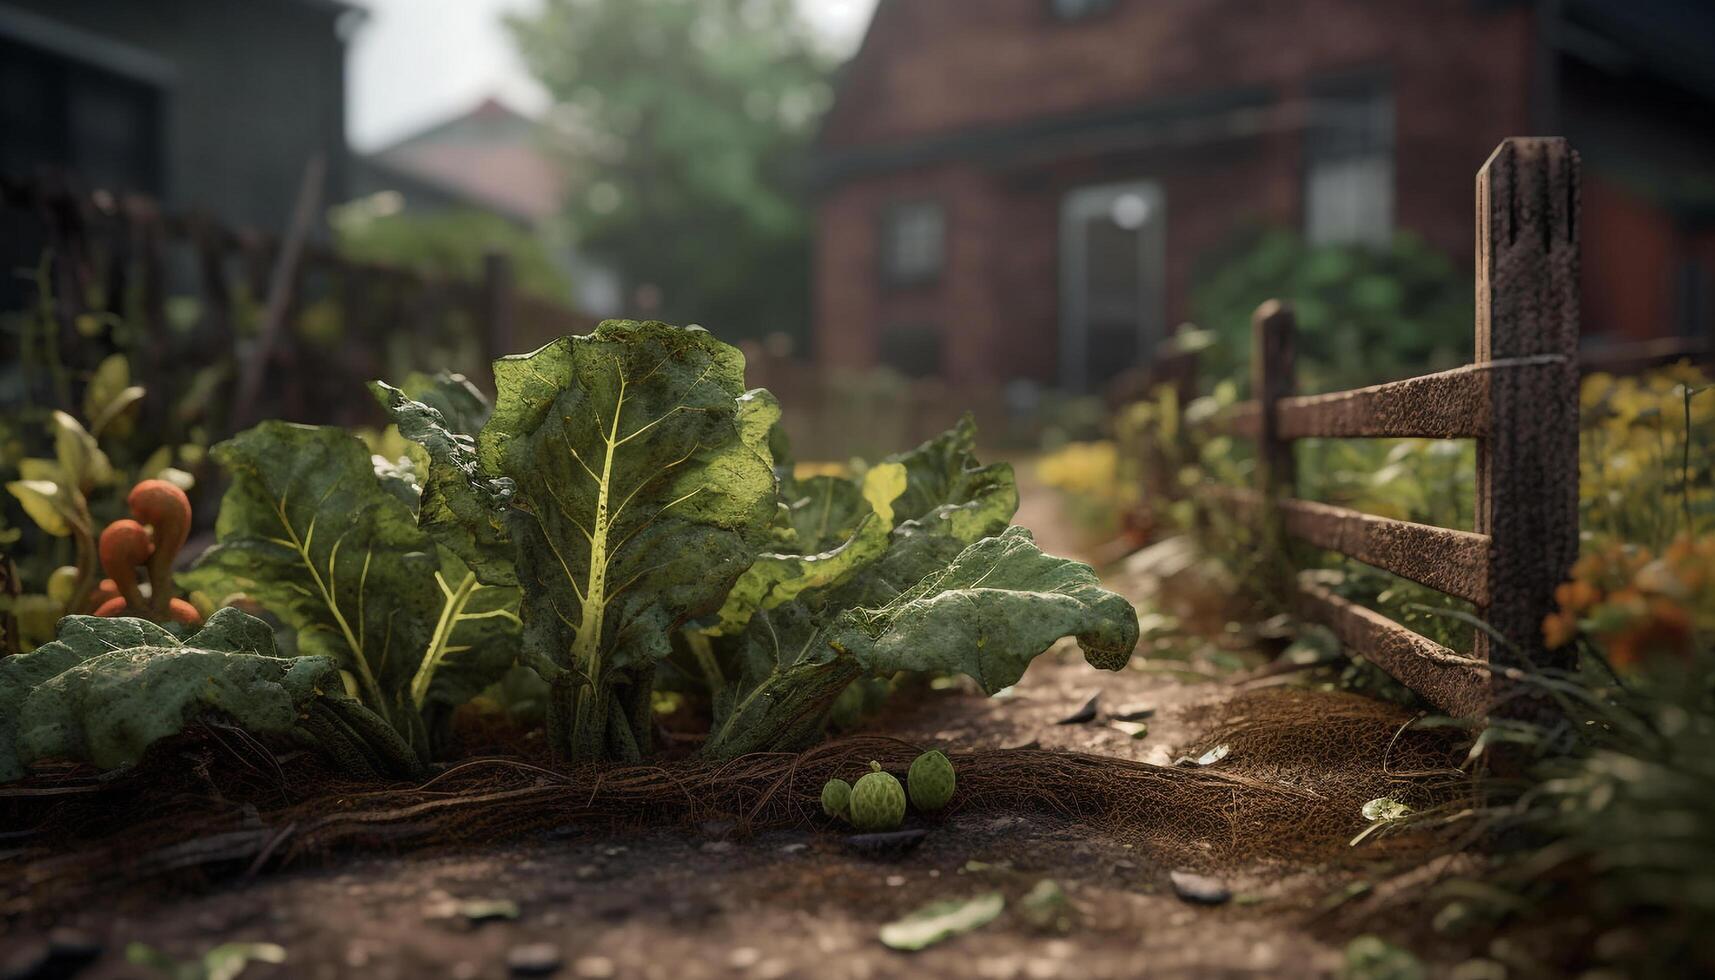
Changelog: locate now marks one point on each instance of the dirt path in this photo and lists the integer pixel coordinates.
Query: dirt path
(793, 903)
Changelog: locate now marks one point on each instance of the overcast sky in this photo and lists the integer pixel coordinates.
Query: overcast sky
(415, 62)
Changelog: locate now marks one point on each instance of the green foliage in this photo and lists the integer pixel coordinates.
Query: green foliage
(699, 115)
(1364, 315)
(450, 244)
(327, 539)
(629, 482)
(108, 689)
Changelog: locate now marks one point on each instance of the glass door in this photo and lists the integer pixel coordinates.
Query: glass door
(1111, 253)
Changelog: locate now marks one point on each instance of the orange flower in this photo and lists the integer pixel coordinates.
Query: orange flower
(1559, 629)
(1664, 631)
(1575, 597)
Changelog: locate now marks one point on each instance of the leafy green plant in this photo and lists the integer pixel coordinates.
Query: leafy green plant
(326, 537)
(627, 483)
(109, 688)
(1364, 315)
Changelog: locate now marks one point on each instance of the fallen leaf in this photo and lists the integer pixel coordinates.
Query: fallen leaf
(1385, 808)
(1136, 711)
(1136, 729)
(1083, 715)
(487, 909)
(941, 920)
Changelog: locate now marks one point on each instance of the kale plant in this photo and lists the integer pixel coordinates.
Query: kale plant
(642, 501)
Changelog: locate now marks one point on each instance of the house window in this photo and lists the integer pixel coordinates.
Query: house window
(913, 243)
(913, 350)
(1078, 9)
(1348, 176)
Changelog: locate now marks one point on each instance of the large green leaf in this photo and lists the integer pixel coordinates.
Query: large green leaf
(946, 484)
(108, 689)
(307, 530)
(460, 507)
(312, 532)
(776, 579)
(638, 497)
(986, 613)
(637, 500)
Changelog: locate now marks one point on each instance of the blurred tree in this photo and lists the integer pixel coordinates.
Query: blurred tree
(448, 243)
(696, 118)
(1365, 314)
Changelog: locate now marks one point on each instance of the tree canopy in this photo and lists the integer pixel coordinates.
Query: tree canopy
(694, 121)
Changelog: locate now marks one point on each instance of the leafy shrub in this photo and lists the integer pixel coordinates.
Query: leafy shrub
(1364, 315)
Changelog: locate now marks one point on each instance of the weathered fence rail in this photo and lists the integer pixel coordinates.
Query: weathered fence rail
(1518, 400)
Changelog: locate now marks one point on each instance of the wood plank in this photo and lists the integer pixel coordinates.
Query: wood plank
(1447, 405)
(1241, 421)
(1527, 465)
(1453, 683)
(1454, 562)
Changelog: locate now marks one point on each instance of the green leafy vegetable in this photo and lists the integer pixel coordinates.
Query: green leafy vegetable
(987, 614)
(107, 689)
(311, 531)
(637, 501)
(645, 505)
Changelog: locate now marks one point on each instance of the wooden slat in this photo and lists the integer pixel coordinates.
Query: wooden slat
(1454, 562)
(1241, 421)
(1450, 404)
(1455, 684)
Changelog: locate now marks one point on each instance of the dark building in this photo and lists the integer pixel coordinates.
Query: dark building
(1021, 188)
(204, 104)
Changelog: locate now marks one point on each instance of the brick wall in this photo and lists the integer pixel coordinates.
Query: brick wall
(947, 74)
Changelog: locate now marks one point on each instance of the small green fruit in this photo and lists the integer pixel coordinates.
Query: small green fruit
(837, 798)
(931, 781)
(878, 801)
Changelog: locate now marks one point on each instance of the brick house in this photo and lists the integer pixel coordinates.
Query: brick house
(1021, 188)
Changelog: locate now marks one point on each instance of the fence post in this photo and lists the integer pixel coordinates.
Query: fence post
(1273, 374)
(499, 304)
(1527, 466)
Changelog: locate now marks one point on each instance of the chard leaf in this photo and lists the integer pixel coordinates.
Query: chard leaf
(776, 579)
(639, 497)
(460, 507)
(988, 614)
(463, 408)
(108, 689)
(309, 530)
(945, 485)
(825, 510)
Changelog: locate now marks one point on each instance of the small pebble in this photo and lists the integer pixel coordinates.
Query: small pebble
(893, 844)
(793, 848)
(1199, 889)
(595, 967)
(534, 960)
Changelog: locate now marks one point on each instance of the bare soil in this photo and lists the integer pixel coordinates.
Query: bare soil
(708, 902)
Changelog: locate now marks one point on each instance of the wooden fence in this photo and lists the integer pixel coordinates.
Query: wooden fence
(1518, 400)
(284, 316)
